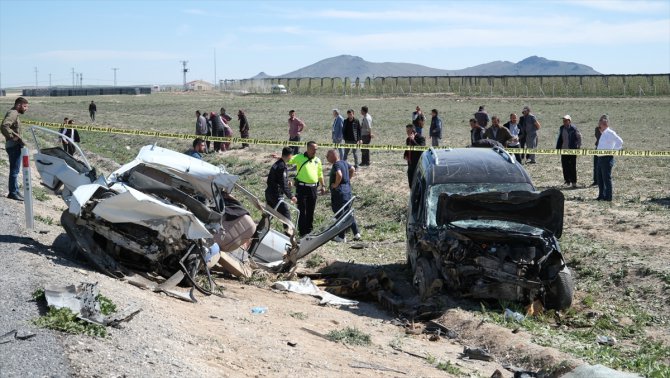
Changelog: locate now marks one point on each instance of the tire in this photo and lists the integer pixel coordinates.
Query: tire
(559, 293)
(425, 275)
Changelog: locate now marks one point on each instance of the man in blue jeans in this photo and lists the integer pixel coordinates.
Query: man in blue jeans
(340, 189)
(609, 140)
(11, 130)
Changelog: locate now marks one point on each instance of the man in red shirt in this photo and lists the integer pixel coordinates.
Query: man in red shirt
(295, 128)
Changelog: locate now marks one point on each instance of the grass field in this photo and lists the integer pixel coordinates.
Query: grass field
(619, 251)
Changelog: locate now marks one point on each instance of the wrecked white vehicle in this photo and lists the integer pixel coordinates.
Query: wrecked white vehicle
(478, 228)
(170, 215)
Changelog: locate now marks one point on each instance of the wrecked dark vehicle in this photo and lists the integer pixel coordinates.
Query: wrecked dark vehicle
(164, 217)
(477, 228)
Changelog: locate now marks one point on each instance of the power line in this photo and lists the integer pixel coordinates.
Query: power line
(36, 77)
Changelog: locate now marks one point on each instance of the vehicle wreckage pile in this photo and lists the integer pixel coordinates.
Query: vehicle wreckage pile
(165, 217)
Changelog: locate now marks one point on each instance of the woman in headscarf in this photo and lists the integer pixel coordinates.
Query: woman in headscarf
(244, 126)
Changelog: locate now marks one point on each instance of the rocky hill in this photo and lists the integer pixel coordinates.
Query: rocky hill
(354, 66)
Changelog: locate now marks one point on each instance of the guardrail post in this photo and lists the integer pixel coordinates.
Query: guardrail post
(27, 189)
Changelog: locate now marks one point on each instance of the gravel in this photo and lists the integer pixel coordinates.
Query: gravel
(43, 354)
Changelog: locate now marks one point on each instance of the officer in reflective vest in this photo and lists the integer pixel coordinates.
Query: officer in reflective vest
(308, 177)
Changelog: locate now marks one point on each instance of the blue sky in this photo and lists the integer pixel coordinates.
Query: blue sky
(146, 40)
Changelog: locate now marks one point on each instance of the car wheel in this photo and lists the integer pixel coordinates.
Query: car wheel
(559, 293)
(424, 277)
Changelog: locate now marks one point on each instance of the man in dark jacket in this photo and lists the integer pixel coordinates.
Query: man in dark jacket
(92, 109)
(482, 117)
(278, 186)
(244, 126)
(413, 156)
(70, 133)
(499, 134)
(351, 131)
(217, 129)
(476, 131)
(435, 130)
(569, 138)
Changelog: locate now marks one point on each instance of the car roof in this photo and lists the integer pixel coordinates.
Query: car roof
(472, 165)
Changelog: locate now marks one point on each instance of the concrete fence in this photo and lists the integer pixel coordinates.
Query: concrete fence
(479, 86)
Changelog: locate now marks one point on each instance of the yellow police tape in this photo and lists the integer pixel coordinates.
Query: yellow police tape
(382, 147)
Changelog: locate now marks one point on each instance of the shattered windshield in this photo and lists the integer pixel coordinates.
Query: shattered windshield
(468, 188)
(498, 225)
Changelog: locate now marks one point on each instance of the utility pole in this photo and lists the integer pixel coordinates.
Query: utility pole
(184, 71)
(81, 79)
(115, 69)
(36, 77)
(214, 67)
(73, 77)
(49, 80)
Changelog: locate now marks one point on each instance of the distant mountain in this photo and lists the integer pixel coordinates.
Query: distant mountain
(354, 66)
(262, 75)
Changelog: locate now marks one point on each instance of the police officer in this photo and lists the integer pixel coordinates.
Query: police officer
(277, 182)
(308, 177)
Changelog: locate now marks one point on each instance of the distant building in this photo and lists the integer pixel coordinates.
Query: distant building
(199, 85)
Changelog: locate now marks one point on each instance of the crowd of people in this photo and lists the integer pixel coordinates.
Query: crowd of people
(485, 131)
(518, 132)
(218, 125)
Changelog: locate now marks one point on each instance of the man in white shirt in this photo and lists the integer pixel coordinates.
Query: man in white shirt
(609, 140)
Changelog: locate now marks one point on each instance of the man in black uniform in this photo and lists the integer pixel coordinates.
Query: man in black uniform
(278, 184)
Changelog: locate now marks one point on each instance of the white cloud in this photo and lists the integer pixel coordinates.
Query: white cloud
(637, 6)
(523, 36)
(197, 12)
(183, 30)
(276, 29)
(83, 55)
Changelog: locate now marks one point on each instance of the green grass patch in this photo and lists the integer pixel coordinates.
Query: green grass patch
(106, 305)
(298, 315)
(349, 335)
(45, 219)
(315, 260)
(449, 368)
(40, 194)
(64, 320)
(38, 295)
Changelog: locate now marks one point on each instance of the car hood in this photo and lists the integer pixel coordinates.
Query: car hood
(538, 209)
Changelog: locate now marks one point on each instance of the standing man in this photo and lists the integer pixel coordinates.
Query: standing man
(352, 135)
(418, 120)
(482, 117)
(308, 177)
(340, 189)
(217, 130)
(569, 138)
(435, 130)
(513, 127)
(366, 135)
(70, 133)
(413, 156)
(11, 130)
(244, 126)
(278, 187)
(529, 128)
(337, 133)
(499, 134)
(609, 140)
(92, 108)
(595, 157)
(476, 131)
(200, 124)
(295, 128)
